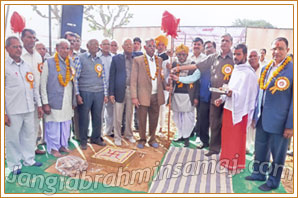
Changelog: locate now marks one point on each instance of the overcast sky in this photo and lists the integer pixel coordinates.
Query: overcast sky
(280, 16)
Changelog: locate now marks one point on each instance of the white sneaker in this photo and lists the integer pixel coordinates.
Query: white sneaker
(118, 142)
(131, 140)
(199, 142)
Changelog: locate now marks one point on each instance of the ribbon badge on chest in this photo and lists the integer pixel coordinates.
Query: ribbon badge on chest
(227, 70)
(73, 73)
(40, 67)
(280, 84)
(98, 68)
(30, 79)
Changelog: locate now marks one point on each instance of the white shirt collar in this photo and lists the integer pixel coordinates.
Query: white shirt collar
(149, 58)
(11, 61)
(97, 55)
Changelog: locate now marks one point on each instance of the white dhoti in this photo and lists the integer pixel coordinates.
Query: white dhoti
(184, 122)
(183, 114)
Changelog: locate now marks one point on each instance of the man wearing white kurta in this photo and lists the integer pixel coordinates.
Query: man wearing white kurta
(58, 100)
(239, 106)
(20, 93)
(34, 60)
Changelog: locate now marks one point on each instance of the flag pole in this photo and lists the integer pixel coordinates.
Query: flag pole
(171, 87)
(169, 24)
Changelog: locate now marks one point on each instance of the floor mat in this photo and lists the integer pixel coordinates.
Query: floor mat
(186, 170)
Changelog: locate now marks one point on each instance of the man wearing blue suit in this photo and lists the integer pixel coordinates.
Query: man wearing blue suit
(273, 116)
(119, 91)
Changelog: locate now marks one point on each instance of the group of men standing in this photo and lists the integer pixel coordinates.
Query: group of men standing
(266, 105)
(66, 88)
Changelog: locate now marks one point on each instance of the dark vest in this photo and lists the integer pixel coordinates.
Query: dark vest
(55, 91)
(186, 87)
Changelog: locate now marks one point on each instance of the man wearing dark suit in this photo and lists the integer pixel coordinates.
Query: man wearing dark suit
(147, 91)
(77, 46)
(273, 117)
(137, 46)
(119, 91)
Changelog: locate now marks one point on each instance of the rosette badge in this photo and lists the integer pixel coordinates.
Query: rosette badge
(98, 68)
(30, 79)
(40, 67)
(281, 84)
(227, 70)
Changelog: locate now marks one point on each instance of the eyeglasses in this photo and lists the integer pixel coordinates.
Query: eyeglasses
(16, 46)
(182, 55)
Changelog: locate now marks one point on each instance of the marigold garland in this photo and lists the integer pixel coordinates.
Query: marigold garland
(60, 77)
(275, 73)
(148, 69)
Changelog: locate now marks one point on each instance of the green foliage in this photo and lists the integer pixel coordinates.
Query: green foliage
(252, 23)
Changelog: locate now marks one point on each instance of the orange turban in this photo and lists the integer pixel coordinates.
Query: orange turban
(181, 48)
(161, 38)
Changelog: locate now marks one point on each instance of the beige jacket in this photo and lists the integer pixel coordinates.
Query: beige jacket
(140, 83)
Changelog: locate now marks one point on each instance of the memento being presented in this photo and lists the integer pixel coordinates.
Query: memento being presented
(224, 89)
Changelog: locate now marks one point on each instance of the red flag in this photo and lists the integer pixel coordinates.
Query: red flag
(169, 24)
(17, 22)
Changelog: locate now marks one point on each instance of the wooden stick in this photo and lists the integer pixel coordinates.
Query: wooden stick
(171, 86)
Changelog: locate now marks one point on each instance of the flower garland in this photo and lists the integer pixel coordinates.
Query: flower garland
(60, 77)
(148, 69)
(275, 73)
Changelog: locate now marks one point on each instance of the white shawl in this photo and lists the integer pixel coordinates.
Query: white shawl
(244, 86)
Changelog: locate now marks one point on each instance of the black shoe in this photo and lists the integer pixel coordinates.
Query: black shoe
(193, 133)
(17, 172)
(251, 178)
(186, 142)
(178, 140)
(83, 146)
(37, 164)
(39, 152)
(99, 142)
(211, 153)
(203, 146)
(290, 153)
(265, 187)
